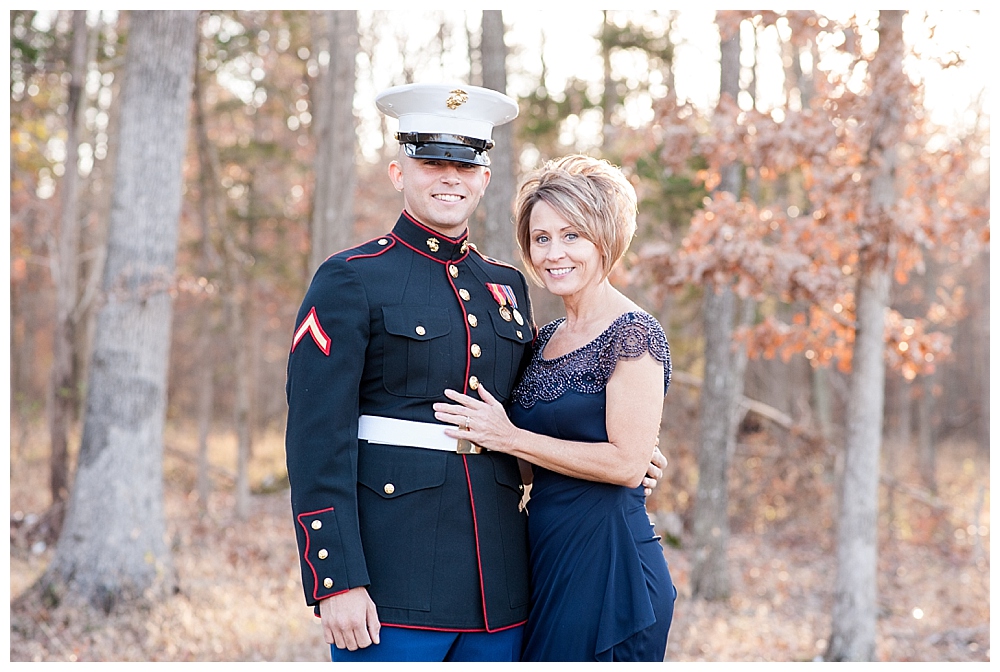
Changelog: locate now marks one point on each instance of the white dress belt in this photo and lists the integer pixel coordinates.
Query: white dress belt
(396, 432)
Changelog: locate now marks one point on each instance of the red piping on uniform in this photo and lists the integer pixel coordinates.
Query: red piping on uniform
(495, 262)
(424, 627)
(436, 233)
(433, 258)
(374, 254)
(475, 527)
(305, 554)
(468, 335)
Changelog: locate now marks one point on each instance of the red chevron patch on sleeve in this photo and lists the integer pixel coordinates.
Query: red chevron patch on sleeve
(311, 326)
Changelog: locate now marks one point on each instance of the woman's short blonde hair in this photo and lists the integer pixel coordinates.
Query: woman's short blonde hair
(592, 194)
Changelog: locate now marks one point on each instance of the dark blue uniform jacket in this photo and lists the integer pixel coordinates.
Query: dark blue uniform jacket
(385, 327)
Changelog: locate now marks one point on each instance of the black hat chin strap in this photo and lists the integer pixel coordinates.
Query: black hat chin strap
(445, 138)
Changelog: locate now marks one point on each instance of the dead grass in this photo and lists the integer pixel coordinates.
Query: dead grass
(240, 598)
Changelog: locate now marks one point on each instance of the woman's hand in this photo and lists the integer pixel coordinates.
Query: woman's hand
(482, 421)
(657, 463)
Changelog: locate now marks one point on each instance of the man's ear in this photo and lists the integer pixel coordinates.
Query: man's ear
(396, 175)
(486, 182)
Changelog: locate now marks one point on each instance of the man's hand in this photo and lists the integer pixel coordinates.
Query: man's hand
(350, 620)
(657, 463)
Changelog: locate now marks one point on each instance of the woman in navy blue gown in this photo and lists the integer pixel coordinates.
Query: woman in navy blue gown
(584, 414)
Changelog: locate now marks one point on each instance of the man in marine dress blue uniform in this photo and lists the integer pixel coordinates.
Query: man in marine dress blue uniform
(412, 545)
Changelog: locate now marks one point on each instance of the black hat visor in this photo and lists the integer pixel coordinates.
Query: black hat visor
(445, 147)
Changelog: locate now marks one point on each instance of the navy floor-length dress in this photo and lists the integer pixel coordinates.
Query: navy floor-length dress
(601, 589)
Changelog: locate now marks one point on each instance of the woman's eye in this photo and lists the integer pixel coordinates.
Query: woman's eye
(541, 240)
(572, 236)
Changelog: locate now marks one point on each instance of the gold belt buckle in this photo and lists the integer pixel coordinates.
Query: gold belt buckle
(466, 447)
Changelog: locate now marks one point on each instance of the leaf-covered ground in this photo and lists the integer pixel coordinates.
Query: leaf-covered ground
(239, 597)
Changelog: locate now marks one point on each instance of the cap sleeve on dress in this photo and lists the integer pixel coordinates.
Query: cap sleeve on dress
(637, 334)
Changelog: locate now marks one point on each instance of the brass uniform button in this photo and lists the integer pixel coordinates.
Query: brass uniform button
(383, 241)
(473, 320)
(453, 270)
(389, 488)
(420, 331)
(433, 244)
(476, 350)
(519, 334)
(464, 293)
(322, 555)
(473, 383)
(316, 525)
(328, 582)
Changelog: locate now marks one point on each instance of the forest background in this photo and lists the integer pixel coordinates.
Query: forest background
(797, 172)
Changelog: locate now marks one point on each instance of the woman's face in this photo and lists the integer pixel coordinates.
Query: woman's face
(567, 263)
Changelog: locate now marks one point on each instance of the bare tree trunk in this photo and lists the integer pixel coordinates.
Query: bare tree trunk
(897, 436)
(926, 452)
(710, 571)
(63, 393)
(608, 96)
(496, 235)
(854, 613)
(855, 589)
(904, 412)
(96, 239)
(112, 547)
(332, 224)
(239, 302)
(737, 373)
(981, 327)
(981, 334)
(237, 309)
(821, 401)
(210, 209)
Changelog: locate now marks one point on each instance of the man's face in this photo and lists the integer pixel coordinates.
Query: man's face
(439, 194)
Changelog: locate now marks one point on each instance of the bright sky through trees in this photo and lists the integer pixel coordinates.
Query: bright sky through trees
(567, 42)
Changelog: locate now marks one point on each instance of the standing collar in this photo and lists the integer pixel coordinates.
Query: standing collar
(428, 242)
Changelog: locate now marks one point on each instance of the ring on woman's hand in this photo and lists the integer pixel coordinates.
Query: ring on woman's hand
(466, 428)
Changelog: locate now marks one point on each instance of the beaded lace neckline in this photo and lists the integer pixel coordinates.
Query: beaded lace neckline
(588, 368)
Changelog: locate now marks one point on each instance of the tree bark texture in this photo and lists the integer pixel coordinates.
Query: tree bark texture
(336, 139)
(496, 234)
(981, 332)
(63, 393)
(113, 544)
(710, 571)
(211, 209)
(95, 241)
(855, 589)
(926, 450)
(854, 611)
(239, 308)
(737, 373)
(609, 98)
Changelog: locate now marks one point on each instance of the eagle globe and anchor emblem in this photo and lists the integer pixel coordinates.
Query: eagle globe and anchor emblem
(456, 99)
